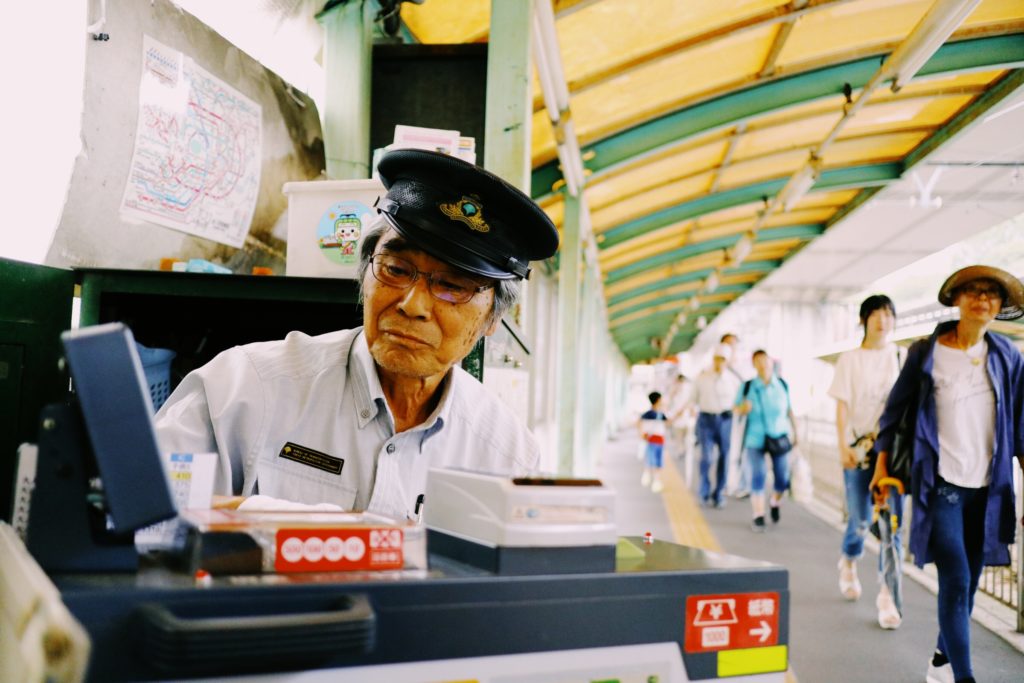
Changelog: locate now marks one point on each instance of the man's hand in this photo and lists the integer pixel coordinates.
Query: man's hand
(848, 457)
(744, 407)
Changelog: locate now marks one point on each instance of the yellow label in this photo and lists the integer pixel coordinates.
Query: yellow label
(752, 660)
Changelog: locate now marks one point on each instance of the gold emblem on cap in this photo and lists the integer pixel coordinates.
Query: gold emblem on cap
(468, 211)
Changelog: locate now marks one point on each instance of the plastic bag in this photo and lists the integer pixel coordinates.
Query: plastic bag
(801, 481)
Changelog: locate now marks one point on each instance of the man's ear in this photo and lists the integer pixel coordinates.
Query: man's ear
(492, 328)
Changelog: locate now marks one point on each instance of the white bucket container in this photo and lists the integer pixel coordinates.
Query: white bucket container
(327, 220)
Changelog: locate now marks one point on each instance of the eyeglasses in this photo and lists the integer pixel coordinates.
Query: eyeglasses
(975, 290)
(444, 285)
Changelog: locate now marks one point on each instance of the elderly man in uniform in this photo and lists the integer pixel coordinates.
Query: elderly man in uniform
(356, 417)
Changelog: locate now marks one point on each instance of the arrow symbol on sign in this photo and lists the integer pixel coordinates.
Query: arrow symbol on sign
(763, 631)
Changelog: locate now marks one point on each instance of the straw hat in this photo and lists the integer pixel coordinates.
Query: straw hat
(1013, 302)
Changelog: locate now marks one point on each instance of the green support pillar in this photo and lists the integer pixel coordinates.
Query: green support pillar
(591, 368)
(570, 261)
(509, 97)
(348, 56)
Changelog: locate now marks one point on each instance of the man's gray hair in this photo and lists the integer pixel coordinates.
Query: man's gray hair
(506, 292)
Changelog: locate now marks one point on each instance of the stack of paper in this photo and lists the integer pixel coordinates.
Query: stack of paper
(450, 142)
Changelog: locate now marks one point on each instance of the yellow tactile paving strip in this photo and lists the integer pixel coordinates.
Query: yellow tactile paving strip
(688, 524)
(687, 519)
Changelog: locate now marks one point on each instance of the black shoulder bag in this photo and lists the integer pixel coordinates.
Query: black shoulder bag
(901, 459)
(775, 445)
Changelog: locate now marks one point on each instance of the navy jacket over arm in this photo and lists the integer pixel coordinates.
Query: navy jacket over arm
(1006, 370)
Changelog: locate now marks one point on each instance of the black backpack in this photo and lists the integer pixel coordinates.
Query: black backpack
(746, 386)
(746, 390)
(901, 458)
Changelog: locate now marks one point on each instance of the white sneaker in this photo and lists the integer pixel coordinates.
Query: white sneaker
(888, 616)
(849, 584)
(939, 674)
(657, 486)
(645, 478)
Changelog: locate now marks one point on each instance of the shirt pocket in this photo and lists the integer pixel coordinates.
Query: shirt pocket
(299, 483)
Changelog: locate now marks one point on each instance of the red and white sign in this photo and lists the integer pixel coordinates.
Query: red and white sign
(329, 550)
(728, 622)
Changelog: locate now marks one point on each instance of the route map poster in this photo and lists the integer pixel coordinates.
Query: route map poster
(196, 163)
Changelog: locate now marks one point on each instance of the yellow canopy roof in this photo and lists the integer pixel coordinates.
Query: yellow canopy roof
(692, 116)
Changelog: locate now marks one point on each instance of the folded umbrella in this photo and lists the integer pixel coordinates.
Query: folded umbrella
(888, 523)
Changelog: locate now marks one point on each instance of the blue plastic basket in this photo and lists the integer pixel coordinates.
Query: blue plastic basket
(156, 363)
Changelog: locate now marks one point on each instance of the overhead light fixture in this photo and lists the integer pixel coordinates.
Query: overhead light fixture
(694, 303)
(702, 322)
(927, 37)
(799, 185)
(711, 283)
(681, 318)
(741, 250)
(548, 61)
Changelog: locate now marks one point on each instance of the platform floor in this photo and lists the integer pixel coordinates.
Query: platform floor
(831, 640)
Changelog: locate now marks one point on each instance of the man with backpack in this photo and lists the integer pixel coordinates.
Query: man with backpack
(771, 432)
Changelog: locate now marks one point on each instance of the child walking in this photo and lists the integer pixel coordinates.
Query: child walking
(652, 429)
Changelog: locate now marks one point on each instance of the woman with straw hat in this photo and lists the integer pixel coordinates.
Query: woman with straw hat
(964, 389)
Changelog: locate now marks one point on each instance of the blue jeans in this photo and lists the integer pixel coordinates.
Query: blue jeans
(957, 546)
(713, 430)
(780, 469)
(860, 508)
(654, 454)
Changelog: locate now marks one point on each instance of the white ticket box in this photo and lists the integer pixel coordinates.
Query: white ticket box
(327, 220)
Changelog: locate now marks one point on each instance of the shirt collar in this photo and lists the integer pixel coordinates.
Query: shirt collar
(366, 389)
(436, 420)
(369, 395)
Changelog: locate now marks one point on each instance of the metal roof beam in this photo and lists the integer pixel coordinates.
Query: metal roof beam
(776, 15)
(657, 323)
(854, 176)
(781, 36)
(724, 289)
(1004, 51)
(747, 267)
(1007, 86)
(665, 258)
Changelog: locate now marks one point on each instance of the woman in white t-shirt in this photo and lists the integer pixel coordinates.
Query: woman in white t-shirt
(861, 385)
(964, 388)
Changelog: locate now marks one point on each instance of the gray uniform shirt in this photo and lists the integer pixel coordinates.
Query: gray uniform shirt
(304, 419)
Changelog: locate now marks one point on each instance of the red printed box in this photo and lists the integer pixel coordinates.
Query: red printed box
(317, 550)
(247, 542)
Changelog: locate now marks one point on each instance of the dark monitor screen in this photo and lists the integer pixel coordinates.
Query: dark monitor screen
(114, 399)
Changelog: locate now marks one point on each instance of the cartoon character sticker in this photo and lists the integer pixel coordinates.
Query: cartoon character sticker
(339, 231)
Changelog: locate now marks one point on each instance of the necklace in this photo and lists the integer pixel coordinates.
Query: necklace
(975, 360)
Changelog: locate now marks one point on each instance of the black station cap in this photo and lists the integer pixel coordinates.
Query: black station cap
(464, 215)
